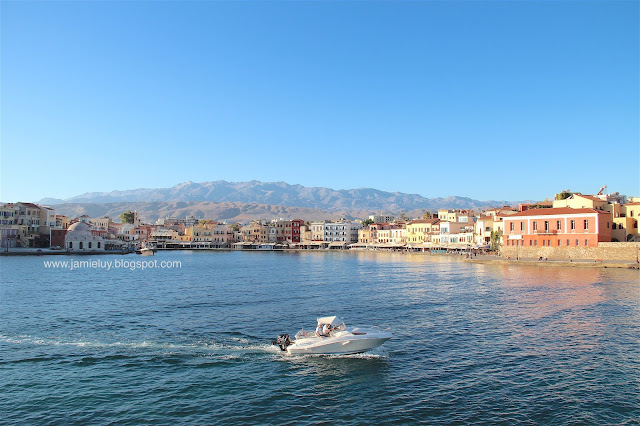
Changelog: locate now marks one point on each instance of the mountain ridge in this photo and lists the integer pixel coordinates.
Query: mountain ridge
(280, 194)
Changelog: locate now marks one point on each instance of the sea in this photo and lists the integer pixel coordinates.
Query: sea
(184, 337)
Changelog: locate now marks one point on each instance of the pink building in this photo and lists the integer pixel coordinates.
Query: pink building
(557, 227)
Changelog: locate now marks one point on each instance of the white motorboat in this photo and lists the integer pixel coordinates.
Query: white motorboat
(147, 250)
(338, 339)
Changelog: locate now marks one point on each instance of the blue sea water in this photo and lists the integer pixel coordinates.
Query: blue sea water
(473, 343)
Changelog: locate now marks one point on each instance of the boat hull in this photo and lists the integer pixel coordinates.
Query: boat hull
(330, 346)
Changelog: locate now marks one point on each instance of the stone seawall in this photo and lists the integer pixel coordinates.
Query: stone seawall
(604, 251)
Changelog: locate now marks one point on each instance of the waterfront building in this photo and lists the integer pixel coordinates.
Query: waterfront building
(455, 232)
(9, 237)
(625, 221)
(374, 230)
(58, 237)
(285, 231)
(79, 238)
(364, 235)
(214, 235)
(317, 231)
(341, 231)
(7, 214)
(305, 233)
(27, 214)
(482, 230)
(557, 227)
(420, 231)
(255, 232)
(398, 235)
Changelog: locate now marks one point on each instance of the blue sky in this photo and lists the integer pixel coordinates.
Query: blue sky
(490, 100)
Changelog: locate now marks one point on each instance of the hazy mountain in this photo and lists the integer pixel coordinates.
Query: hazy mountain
(280, 194)
(232, 212)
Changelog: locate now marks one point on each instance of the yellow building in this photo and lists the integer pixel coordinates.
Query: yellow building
(625, 222)
(422, 231)
(364, 235)
(211, 233)
(255, 232)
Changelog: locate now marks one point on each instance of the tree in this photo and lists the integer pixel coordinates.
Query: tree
(367, 222)
(496, 236)
(126, 217)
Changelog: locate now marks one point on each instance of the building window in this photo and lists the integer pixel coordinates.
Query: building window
(530, 242)
(559, 242)
(70, 244)
(511, 226)
(544, 242)
(577, 243)
(522, 226)
(80, 245)
(559, 223)
(546, 226)
(89, 244)
(586, 224)
(568, 243)
(573, 225)
(586, 243)
(535, 226)
(535, 243)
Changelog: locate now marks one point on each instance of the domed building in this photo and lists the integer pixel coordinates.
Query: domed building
(80, 238)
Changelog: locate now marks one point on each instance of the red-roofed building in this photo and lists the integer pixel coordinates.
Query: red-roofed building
(557, 227)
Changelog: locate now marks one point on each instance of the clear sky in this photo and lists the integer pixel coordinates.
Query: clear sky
(490, 100)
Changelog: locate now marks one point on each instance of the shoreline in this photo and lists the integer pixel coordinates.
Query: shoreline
(480, 259)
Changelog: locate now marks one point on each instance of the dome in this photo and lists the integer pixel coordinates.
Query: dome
(80, 231)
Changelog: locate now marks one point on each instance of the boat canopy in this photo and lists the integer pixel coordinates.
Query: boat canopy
(330, 320)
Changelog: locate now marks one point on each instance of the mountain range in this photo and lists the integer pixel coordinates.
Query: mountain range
(235, 200)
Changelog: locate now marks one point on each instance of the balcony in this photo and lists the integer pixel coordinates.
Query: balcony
(547, 232)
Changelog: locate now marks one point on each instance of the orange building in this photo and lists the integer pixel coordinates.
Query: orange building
(557, 227)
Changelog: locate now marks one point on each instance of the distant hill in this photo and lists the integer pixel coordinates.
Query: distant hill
(277, 194)
(232, 212)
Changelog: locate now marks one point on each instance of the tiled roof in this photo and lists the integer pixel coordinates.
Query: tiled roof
(31, 205)
(553, 211)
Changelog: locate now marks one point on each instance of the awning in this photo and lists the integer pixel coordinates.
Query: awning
(334, 320)
(338, 244)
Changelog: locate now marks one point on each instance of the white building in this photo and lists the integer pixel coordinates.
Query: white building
(317, 231)
(80, 238)
(341, 231)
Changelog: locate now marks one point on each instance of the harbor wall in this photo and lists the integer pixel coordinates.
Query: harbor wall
(604, 251)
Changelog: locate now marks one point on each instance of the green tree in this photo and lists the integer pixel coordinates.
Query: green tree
(367, 222)
(126, 217)
(496, 236)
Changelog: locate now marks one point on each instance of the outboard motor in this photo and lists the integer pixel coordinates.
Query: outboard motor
(282, 341)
